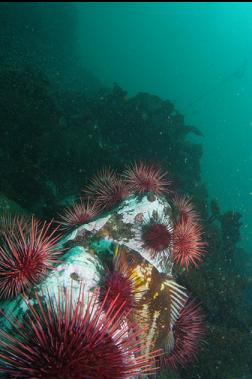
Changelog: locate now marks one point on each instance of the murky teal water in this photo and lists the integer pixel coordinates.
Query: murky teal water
(200, 57)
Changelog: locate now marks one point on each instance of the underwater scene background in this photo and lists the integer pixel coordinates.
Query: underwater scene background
(84, 86)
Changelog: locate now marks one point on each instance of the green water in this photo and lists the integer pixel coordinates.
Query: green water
(198, 55)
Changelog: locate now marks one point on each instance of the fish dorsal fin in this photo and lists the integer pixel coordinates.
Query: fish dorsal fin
(178, 298)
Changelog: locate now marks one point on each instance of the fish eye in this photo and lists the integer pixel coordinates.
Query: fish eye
(130, 259)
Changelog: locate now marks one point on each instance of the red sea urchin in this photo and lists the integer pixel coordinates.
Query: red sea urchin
(63, 339)
(79, 214)
(107, 189)
(114, 284)
(9, 222)
(142, 178)
(189, 332)
(185, 208)
(187, 245)
(156, 238)
(27, 253)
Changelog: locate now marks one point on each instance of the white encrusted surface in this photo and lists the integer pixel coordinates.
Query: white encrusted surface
(79, 268)
(135, 212)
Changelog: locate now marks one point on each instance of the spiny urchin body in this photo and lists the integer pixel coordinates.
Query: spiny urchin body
(61, 339)
(156, 237)
(78, 214)
(189, 332)
(188, 247)
(185, 208)
(27, 253)
(116, 284)
(107, 189)
(142, 178)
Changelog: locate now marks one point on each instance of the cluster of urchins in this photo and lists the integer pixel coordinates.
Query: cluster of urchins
(59, 338)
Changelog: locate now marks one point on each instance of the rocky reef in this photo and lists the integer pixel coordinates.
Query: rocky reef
(66, 136)
(101, 299)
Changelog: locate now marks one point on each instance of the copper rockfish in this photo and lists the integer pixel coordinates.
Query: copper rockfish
(158, 297)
